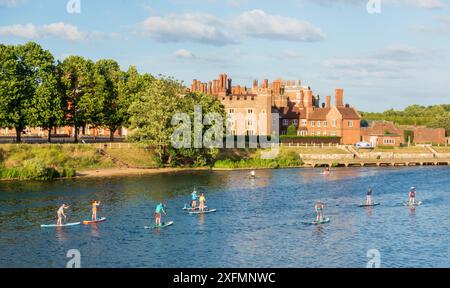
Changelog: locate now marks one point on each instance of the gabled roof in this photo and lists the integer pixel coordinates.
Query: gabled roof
(319, 114)
(348, 113)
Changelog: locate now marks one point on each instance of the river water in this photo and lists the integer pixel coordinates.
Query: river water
(258, 222)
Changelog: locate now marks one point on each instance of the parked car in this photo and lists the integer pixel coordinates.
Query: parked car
(364, 145)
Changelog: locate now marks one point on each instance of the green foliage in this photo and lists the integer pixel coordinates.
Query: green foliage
(31, 93)
(292, 130)
(284, 160)
(437, 116)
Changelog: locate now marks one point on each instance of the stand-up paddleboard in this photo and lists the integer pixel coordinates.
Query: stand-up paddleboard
(63, 225)
(87, 222)
(164, 224)
(206, 211)
(324, 221)
(373, 205)
(187, 208)
(411, 205)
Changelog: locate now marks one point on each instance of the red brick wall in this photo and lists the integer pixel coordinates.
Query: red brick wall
(429, 135)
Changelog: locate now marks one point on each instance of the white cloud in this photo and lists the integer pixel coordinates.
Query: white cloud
(184, 54)
(58, 30)
(208, 29)
(259, 24)
(194, 27)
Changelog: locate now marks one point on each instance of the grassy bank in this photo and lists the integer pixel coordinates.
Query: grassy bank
(46, 162)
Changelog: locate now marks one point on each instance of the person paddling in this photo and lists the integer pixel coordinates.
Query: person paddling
(253, 174)
(194, 199)
(95, 206)
(319, 210)
(412, 196)
(369, 197)
(61, 215)
(158, 211)
(202, 201)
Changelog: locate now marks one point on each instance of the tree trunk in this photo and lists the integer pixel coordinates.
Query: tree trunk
(49, 139)
(76, 134)
(18, 135)
(111, 134)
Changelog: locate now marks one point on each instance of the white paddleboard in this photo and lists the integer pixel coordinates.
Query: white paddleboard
(64, 225)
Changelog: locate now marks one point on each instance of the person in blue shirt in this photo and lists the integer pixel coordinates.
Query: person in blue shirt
(158, 211)
(194, 199)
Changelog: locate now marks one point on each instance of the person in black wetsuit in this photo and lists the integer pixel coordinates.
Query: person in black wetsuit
(369, 197)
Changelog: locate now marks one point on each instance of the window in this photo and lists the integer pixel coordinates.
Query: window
(311, 133)
(312, 123)
(250, 122)
(324, 133)
(249, 111)
(318, 133)
(350, 124)
(389, 141)
(303, 133)
(325, 123)
(285, 122)
(334, 123)
(333, 133)
(295, 122)
(304, 122)
(263, 111)
(231, 111)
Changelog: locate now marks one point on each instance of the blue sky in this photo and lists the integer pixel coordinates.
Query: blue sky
(387, 60)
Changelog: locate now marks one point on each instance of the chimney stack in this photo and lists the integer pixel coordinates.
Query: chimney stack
(339, 100)
(265, 83)
(328, 105)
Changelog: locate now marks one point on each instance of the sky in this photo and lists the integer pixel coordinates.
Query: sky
(393, 58)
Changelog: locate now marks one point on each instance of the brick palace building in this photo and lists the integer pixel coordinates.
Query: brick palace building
(296, 104)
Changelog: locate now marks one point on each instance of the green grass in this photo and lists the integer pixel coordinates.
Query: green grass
(45, 162)
(134, 156)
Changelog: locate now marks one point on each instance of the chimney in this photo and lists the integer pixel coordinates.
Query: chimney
(299, 83)
(255, 84)
(309, 99)
(328, 105)
(265, 83)
(339, 98)
(229, 86)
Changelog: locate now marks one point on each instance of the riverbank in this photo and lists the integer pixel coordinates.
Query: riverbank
(52, 161)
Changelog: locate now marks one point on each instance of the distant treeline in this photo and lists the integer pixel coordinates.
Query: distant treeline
(436, 116)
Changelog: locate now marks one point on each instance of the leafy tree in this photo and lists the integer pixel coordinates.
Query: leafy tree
(49, 102)
(441, 121)
(151, 115)
(27, 79)
(79, 87)
(205, 155)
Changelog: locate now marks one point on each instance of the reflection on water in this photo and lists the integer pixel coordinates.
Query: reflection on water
(258, 222)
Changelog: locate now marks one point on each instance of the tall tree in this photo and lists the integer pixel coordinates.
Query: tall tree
(78, 74)
(49, 101)
(25, 74)
(151, 115)
(109, 77)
